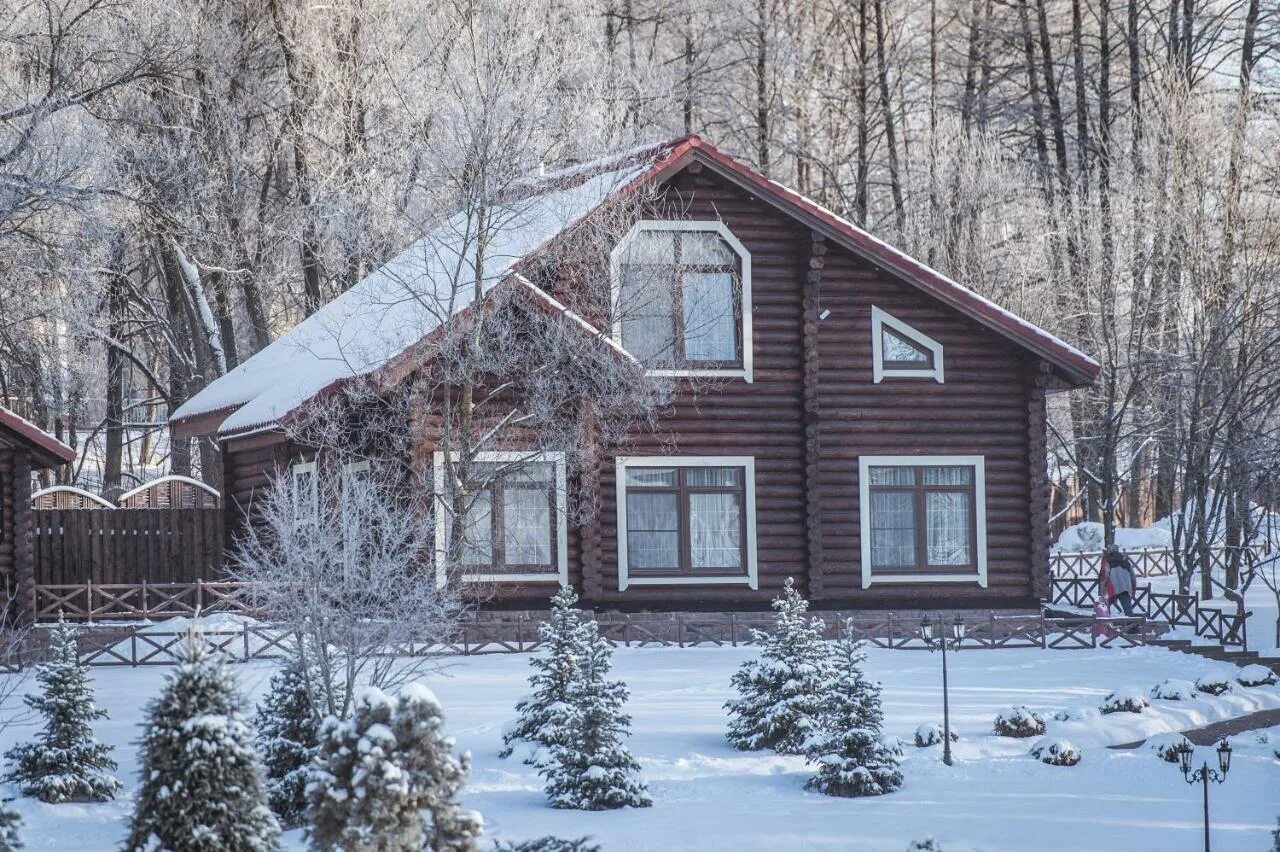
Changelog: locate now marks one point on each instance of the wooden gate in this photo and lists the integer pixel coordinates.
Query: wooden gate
(76, 546)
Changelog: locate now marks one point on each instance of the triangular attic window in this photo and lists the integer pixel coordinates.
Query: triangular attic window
(901, 351)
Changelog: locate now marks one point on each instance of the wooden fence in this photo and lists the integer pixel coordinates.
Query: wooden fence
(126, 546)
(1149, 561)
(1224, 626)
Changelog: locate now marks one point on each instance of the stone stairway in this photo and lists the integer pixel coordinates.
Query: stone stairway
(1218, 652)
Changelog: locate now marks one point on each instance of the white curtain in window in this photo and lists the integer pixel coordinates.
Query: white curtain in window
(477, 545)
(947, 527)
(715, 531)
(653, 538)
(709, 322)
(893, 529)
(526, 522)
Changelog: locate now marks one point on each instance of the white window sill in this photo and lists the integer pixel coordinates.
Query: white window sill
(737, 373)
(511, 578)
(690, 580)
(924, 578)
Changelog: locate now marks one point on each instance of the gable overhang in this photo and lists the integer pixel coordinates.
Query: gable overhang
(46, 451)
(1074, 368)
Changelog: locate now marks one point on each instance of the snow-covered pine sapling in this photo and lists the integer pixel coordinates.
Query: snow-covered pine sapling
(1018, 721)
(10, 823)
(848, 747)
(554, 668)
(380, 774)
(549, 843)
(201, 780)
(588, 766)
(780, 693)
(64, 763)
(288, 732)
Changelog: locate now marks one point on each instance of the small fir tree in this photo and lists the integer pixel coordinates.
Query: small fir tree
(64, 763)
(288, 733)
(10, 822)
(202, 785)
(852, 757)
(781, 692)
(377, 772)
(588, 766)
(554, 668)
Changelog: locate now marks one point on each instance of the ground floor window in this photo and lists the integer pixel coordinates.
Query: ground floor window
(923, 519)
(515, 519)
(686, 519)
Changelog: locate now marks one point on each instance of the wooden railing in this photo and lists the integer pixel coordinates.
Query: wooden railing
(1148, 561)
(1224, 626)
(90, 602)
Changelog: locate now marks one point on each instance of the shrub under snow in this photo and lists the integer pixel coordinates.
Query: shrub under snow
(1019, 721)
(10, 822)
(548, 844)
(930, 734)
(781, 693)
(1213, 684)
(1056, 751)
(1165, 746)
(1174, 689)
(1077, 714)
(1125, 701)
(1256, 675)
(927, 844)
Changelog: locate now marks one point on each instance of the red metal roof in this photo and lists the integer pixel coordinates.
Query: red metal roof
(48, 450)
(1078, 367)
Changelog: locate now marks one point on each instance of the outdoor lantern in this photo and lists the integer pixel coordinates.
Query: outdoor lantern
(1185, 751)
(926, 629)
(1224, 757)
(960, 628)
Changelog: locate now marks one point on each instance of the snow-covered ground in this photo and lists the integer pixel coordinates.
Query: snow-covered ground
(710, 797)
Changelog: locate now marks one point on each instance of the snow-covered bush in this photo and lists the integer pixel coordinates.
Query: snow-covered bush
(554, 668)
(201, 781)
(1255, 675)
(780, 693)
(288, 733)
(1125, 701)
(548, 844)
(1165, 746)
(64, 763)
(848, 747)
(1213, 684)
(1018, 721)
(927, 844)
(378, 774)
(1077, 714)
(1174, 689)
(10, 822)
(587, 765)
(1056, 751)
(930, 734)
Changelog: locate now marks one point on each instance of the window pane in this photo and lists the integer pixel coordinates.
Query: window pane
(958, 475)
(655, 477)
(709, 323)
(529, 473)
(893, 529)
(653, 538)
(893, 476)
(645, 303)
(526, 526)
(477, 544)
(713, 477)
(705, 248)
(651, 247)
(947, 522)
(715, 531)
(896, 348)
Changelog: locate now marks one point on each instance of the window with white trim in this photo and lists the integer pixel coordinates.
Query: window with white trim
(900, 351)
(306, 490)
(923, 519)
(682, 297)
(686, 520)
(355, 503)
(515, 529)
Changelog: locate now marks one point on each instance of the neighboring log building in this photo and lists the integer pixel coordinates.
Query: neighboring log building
(24, 449)
(875, 430)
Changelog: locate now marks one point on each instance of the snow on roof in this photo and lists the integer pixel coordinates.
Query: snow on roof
(50, 448)
(406, 299)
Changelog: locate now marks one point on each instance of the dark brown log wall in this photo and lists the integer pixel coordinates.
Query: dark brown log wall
(7, 543)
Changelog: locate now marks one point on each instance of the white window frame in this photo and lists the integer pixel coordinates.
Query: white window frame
(747, 463)
(296, 470)
(348, 469)
(978, 463)
(747, 371)
(562, 518)
(880, 320)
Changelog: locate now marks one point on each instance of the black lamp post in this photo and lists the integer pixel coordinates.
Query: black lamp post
(1204, 774)
(939, 641)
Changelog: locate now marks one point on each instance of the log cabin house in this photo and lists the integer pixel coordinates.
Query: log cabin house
(875, 430)
(25, 449)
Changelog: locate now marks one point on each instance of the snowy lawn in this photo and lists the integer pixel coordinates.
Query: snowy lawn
(708, 796)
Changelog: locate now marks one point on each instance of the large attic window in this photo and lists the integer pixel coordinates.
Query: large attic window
(679, 291)
(900, 351)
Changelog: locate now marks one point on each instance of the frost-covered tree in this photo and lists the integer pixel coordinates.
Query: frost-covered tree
(377, 772)
(781, 692)
(65, 763)
(288, 733)
(554, 668)
(587, 764)
(202, 786)
(848, 748)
